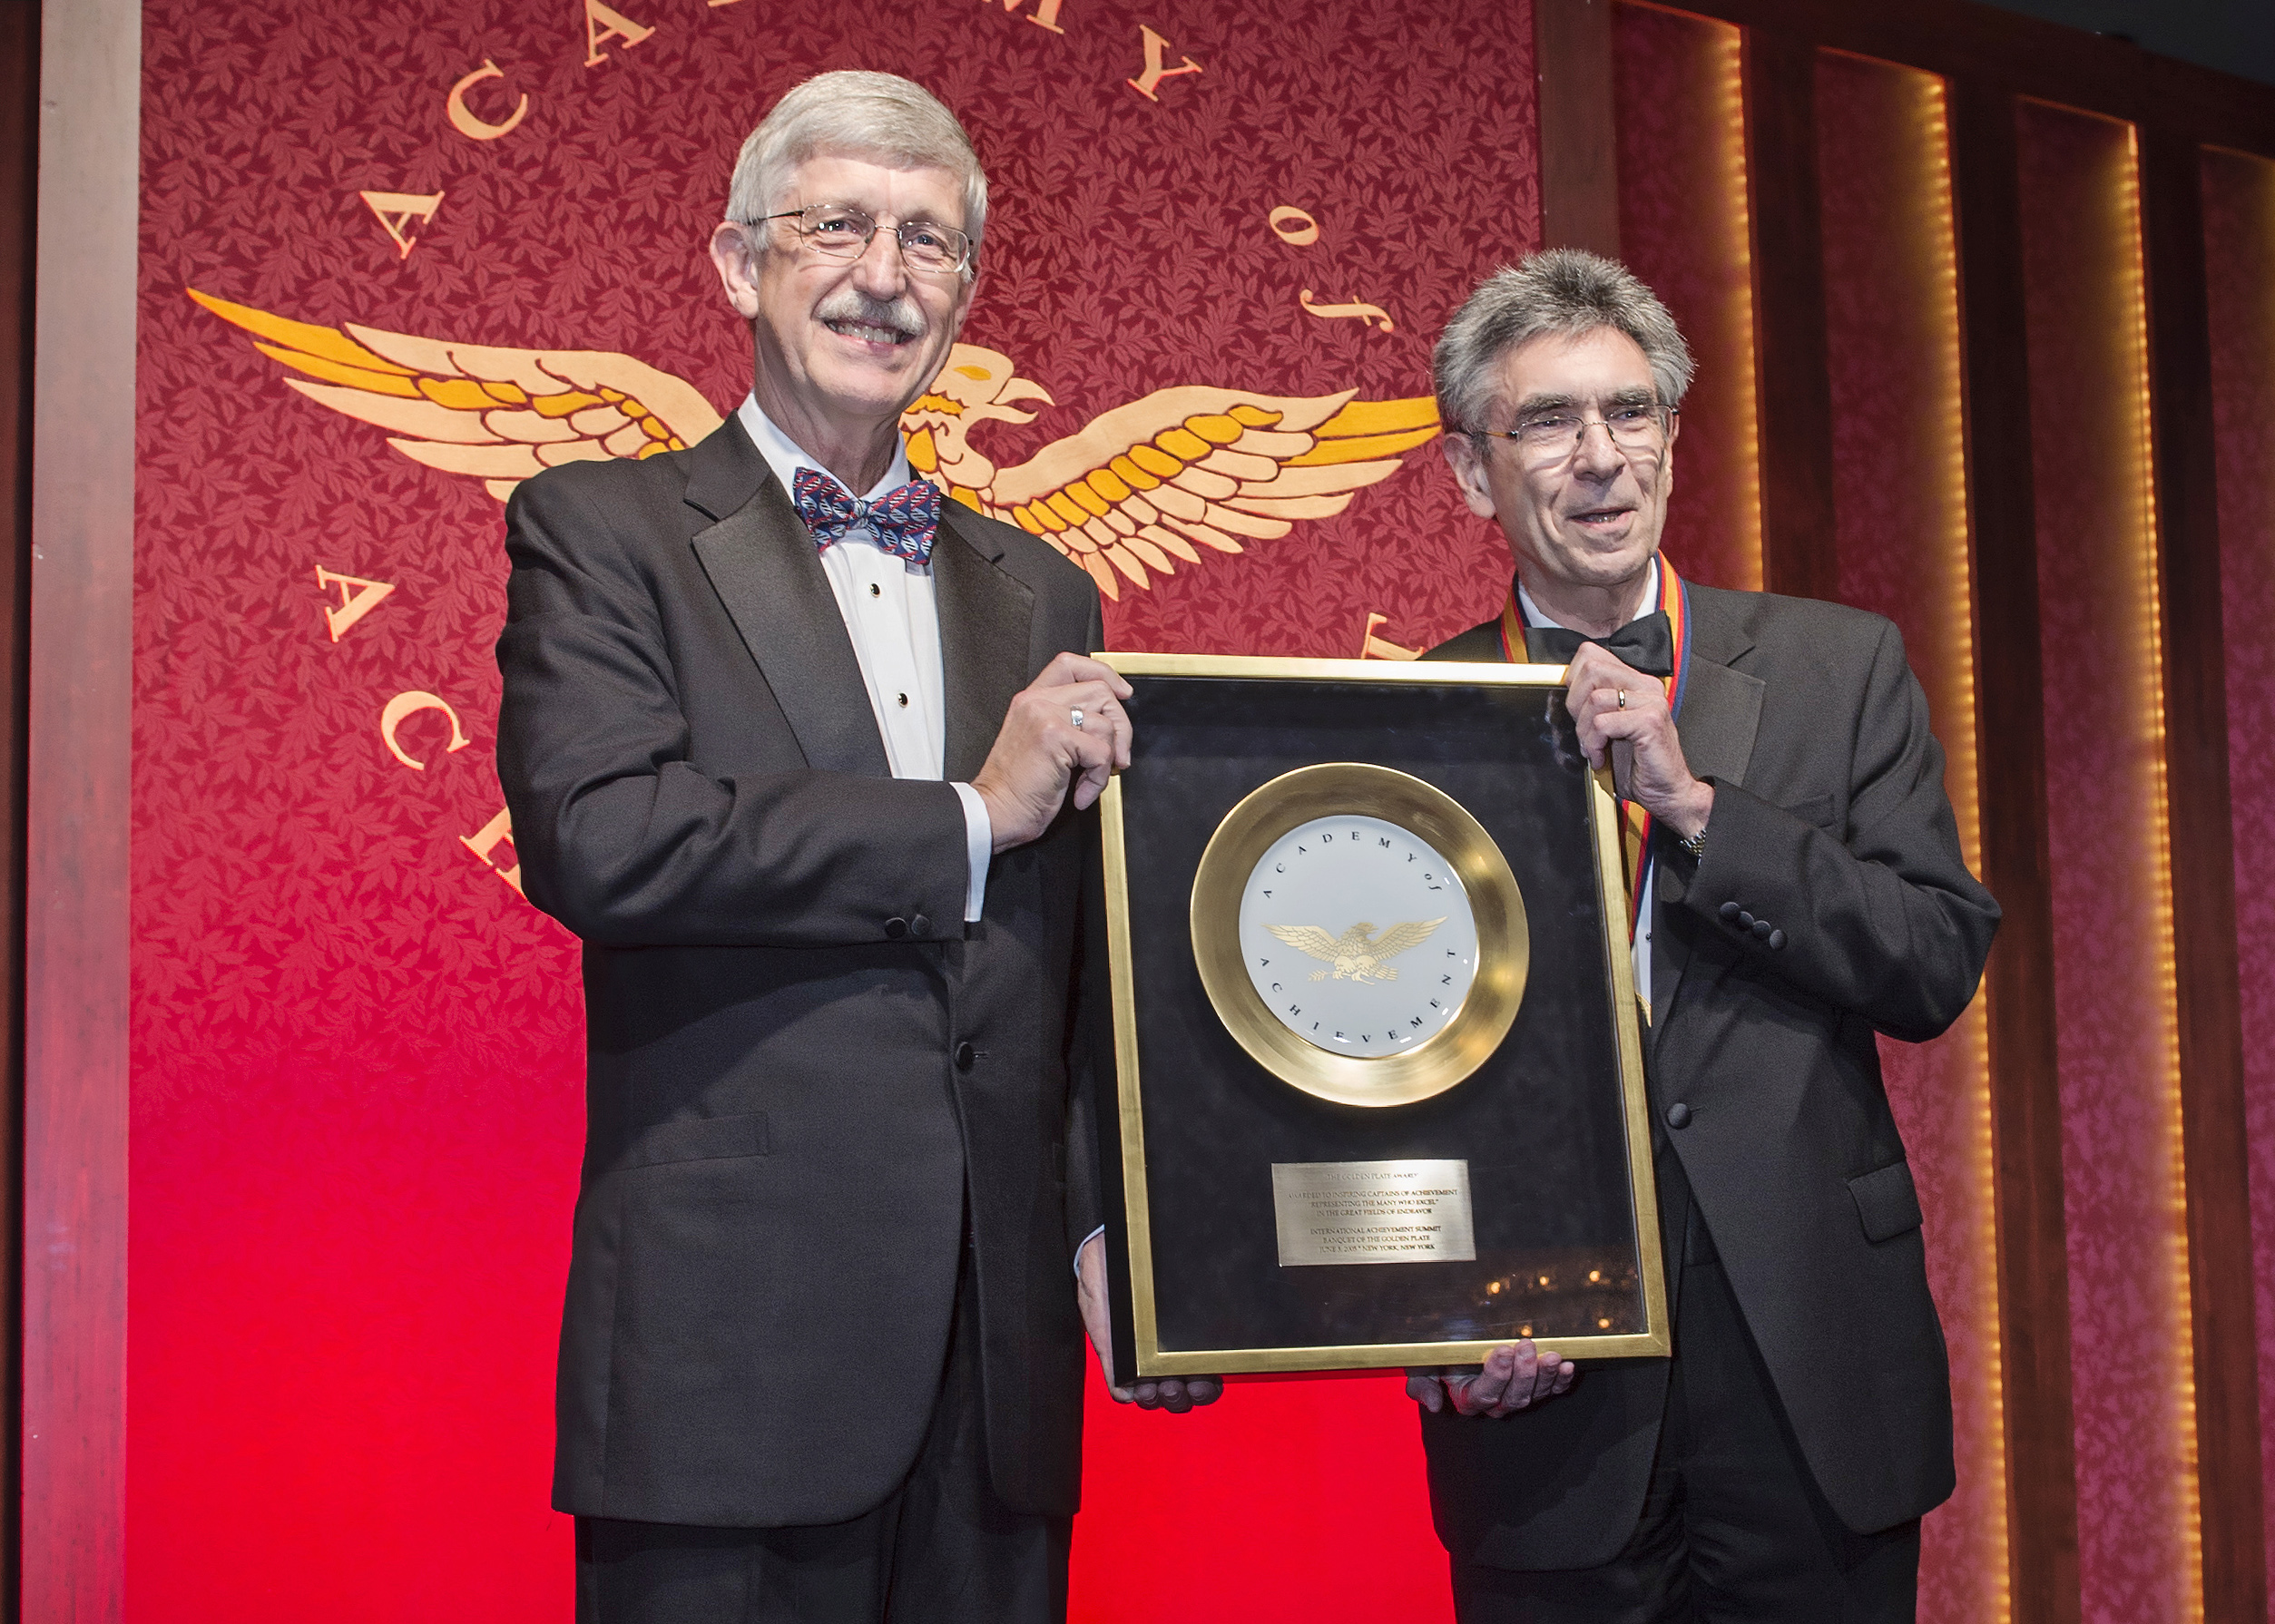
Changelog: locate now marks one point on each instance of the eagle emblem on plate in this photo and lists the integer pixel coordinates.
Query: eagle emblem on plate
(1357, 953)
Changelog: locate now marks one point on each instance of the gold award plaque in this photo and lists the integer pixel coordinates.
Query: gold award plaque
(1360, 934)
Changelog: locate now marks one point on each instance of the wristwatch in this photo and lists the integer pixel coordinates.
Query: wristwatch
(1695, 845)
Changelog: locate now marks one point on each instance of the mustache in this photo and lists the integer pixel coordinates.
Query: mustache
(902, 315)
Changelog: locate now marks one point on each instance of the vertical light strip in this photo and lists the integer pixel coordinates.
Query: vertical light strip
(2134, 291)
(1738, 257)
(1963, 781)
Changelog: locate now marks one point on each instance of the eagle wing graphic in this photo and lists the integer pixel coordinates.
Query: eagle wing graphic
(1171, 477)
(497, 414)
(1399, 937)
(1310, 938)
(1158, 480)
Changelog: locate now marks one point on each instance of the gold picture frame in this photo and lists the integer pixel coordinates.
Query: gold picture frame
(1139, 1342)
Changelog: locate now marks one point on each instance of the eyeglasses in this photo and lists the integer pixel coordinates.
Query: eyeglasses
(1638, 430)
(840, 231)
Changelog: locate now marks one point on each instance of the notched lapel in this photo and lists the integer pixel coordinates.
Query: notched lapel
(763, 565)
(985, 614)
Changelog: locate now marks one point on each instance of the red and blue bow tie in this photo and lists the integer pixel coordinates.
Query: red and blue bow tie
(904, 520)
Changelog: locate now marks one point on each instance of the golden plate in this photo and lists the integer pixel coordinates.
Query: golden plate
(1352, 788)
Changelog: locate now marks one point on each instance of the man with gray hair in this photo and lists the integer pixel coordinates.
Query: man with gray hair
(1799, 889)
(806, 759)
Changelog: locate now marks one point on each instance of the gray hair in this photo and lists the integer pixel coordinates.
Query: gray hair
(853, 113)
(1562, 290)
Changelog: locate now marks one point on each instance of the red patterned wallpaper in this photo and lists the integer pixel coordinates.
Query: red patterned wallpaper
(2112, 912)
(2240, 252)
(1892, 348)
(355, 1100)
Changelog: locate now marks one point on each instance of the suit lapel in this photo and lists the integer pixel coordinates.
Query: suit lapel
(763, 565)
(1722, 710)
(984, 615)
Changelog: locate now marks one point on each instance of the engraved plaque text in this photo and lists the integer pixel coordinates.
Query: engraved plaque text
(1372, 1212)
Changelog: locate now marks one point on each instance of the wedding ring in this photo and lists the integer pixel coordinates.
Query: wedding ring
(1623, 702)
(1076, 715)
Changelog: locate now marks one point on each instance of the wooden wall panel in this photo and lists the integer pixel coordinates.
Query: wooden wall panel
(2118, 1043)
(75, 992)
(1683, 228)
(2025, 56)
(2027, 1110)
(1579, 138)
(1797, 555)
(2214, 1125)
(19, 148)
(2239, 207)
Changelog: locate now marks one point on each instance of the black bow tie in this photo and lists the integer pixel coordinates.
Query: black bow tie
(1646, 645)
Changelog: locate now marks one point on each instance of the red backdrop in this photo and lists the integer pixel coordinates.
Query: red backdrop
(357, 1065)
(356, 1109)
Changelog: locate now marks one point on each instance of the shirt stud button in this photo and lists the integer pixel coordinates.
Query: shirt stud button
(876, 591)
(903, 702)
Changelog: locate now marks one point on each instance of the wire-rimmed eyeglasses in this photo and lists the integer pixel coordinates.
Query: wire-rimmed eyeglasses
(1639, 430)
(841, 232)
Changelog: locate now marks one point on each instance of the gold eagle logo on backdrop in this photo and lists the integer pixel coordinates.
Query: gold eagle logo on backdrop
(1352, 955)
(1168, 478)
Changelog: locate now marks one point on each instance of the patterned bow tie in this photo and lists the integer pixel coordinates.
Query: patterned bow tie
(1646, 645)
(904, 520)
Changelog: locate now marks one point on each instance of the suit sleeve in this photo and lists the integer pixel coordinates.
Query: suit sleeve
(623, 839)
(1887, 924)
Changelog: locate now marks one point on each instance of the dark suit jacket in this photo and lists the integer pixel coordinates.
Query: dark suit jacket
(1831, 824)
(804, 1070)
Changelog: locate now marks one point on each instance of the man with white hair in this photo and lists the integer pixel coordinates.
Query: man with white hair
(806, 758)
(1798, 889)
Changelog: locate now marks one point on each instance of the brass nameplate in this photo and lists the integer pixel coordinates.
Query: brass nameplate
(1372, 1212)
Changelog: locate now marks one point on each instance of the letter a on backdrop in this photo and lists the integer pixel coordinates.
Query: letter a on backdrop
(601, 24)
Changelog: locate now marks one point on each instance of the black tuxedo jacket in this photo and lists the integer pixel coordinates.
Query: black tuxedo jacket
(807, 1076)
(1830, 824)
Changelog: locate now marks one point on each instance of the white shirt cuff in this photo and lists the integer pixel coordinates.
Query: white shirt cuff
(979, 845)
(1093, 1235)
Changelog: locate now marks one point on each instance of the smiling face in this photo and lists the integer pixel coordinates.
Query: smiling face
(1587, 527)
(843, 345)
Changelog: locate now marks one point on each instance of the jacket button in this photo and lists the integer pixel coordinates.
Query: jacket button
(1678, 1115)
(1745, 920)
(964, 1057)
(896, 927)
(921, 925)
(1729, 910)
(1776, 939)
(1761, 929)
